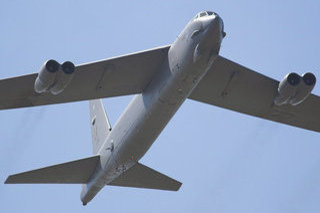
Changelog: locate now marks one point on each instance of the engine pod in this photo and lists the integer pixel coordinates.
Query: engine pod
(304, 89)
(287, 88)
(46, 76)
(63, 78)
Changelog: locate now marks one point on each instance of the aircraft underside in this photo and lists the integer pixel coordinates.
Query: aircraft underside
(160, 79)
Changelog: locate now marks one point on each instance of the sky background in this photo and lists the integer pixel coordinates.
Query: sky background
(227, 162)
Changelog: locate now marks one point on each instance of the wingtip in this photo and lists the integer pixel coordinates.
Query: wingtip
(7, 180)
(179, 186)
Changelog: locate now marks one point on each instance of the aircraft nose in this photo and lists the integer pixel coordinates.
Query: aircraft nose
(216, 24)
(215, 28)
(213, 34)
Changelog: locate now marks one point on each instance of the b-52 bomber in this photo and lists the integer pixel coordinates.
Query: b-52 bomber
(160, 79)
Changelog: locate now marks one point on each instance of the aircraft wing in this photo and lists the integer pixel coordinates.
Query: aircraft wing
(124, 75)
(232, 86)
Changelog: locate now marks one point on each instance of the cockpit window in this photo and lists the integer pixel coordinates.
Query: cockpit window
(203, 14)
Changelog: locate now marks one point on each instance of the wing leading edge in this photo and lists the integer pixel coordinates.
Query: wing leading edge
(232, 86)
(123, 75)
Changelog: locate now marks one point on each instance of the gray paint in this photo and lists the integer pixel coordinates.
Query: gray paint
(141, 176)
(78, 171)
(123, 75)
(100, 125)
(149, 112)
(163, 78)
(235, 87)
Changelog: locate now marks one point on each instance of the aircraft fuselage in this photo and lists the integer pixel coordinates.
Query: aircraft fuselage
(148, 113)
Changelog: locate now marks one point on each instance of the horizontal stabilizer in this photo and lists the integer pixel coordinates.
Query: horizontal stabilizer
(78, 171)
(141, 176)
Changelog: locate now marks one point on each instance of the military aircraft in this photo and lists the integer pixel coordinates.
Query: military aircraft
(161, 79)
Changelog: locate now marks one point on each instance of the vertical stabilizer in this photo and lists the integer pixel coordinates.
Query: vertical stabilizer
(100, 125)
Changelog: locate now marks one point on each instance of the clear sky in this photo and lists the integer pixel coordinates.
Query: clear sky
(227, 162)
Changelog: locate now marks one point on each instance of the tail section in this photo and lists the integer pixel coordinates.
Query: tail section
(100, 125)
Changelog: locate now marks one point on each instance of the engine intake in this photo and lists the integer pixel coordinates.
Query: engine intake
(68, 67)
(309, 79)
(63, 78)
(305, 88)
(294, 89)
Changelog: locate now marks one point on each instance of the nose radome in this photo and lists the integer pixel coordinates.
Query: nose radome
(213, 34)
(215, 25)
(217, 21)
(218, 25)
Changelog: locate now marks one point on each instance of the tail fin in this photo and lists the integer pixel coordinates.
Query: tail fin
(100, 125)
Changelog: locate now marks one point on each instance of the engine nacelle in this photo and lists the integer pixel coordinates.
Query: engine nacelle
(294, 89)
(305, 88)
(287, 88)
(63, 78)
(46, 76)
(54, 77)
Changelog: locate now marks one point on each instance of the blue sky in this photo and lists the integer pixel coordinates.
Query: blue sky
(228, 162)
